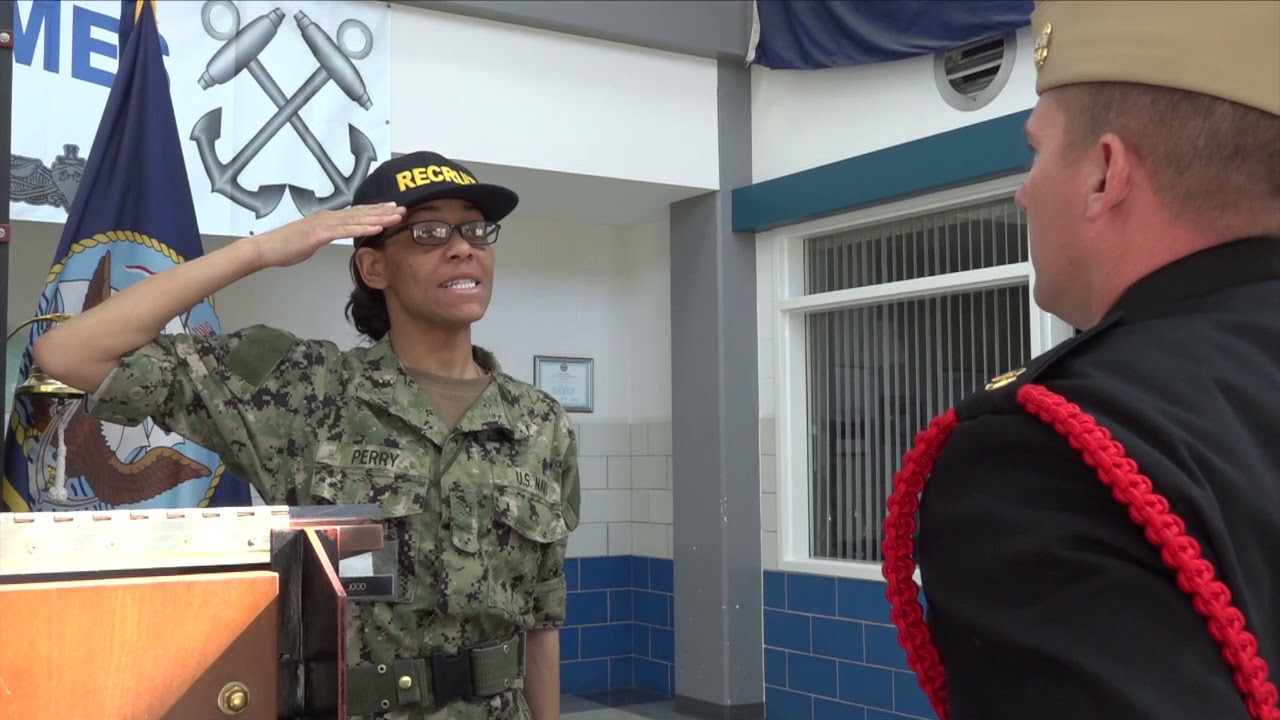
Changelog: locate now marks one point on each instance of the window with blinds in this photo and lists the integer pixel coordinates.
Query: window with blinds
(877, 372)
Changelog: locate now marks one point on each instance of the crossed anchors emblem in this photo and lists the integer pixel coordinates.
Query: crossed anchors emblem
(240, 50)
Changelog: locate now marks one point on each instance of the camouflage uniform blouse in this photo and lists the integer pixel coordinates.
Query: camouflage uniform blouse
(482, 514)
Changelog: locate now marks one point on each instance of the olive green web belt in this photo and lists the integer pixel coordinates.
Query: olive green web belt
(437, 680)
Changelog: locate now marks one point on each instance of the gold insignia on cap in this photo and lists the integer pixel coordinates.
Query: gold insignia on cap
(1000, 381)
(1042, 45)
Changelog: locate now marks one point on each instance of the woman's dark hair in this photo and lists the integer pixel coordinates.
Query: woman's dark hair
(367, 308)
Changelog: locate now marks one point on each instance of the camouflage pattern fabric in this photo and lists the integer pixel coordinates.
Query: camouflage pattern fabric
(481, 515)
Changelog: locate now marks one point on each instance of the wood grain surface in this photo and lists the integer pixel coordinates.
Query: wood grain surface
(153, 648)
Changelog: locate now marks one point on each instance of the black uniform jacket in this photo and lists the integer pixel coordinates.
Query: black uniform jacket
(1046, 600)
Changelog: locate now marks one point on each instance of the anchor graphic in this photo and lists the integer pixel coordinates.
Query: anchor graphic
(240, 51)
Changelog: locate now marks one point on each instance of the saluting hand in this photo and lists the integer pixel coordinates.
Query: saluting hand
(300, 239)
(83, 351)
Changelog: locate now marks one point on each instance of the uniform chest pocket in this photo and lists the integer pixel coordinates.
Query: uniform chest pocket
(527, 521)
(405, 510)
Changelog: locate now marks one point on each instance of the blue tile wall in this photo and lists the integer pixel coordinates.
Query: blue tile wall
(618, 628)
(831, 652)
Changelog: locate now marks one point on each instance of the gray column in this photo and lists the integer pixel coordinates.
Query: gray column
(715, 453)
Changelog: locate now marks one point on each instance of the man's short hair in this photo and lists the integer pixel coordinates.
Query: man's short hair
(1192, 87)
(1213, 162)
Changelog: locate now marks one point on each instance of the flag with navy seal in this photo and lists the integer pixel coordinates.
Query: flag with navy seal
(133, 217)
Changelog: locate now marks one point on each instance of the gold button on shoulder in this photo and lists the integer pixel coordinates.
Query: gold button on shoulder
(1001, 380)
(406, 682)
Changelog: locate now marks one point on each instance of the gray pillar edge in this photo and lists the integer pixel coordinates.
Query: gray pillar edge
(718, 613)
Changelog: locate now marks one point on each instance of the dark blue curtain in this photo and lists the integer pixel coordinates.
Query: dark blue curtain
(808, 34)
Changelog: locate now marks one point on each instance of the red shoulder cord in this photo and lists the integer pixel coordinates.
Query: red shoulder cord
(1210, 598)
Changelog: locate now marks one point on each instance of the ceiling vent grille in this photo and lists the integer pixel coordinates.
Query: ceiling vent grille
(971, 76)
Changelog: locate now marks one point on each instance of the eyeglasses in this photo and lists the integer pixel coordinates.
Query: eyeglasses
(434, 233)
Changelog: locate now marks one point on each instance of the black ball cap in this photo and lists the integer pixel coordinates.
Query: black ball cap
(413, 179)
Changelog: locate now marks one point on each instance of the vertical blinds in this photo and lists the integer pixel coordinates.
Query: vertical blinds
(877, 373)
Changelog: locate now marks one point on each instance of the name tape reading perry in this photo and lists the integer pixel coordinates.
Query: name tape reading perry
(374, 457)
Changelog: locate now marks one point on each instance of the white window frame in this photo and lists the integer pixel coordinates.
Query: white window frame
(790, 307)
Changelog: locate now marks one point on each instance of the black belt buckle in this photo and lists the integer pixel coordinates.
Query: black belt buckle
(451, 678)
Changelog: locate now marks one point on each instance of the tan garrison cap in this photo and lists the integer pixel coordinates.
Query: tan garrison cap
(1222, 48)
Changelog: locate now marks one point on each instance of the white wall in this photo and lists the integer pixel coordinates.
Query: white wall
(805, 119)
(491, 92)
(647, 271)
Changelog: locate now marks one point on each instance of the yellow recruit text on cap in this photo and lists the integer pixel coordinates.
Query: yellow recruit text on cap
(431, 174)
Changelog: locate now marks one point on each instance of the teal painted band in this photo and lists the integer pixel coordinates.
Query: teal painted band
(965, 155)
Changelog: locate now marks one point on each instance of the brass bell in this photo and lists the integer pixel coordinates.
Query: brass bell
(39, 384)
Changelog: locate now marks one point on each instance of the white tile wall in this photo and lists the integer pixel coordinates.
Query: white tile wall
(589, 539)
(768, 511)
(768, 468)
(660, 507)
(659, 439)
(651, 540)
(640, 504)
(620, 473)
(768, 495)
(620, 538)
(766, 299)
(626, 490)
(604, 506)
(593, 472)
(640, 439)
(768, 392)
(650, 473)
(604, 439)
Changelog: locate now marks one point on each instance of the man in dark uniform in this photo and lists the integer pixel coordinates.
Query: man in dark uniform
(1099, 533)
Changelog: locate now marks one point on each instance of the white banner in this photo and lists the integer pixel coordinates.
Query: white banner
(282, 107)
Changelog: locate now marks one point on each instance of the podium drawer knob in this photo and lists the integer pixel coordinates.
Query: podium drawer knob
(233, 699)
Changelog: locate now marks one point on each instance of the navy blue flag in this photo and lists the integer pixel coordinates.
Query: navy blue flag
(811, 34)
(132, 217)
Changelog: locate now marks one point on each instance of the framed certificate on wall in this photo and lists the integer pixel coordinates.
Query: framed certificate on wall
(571, 381)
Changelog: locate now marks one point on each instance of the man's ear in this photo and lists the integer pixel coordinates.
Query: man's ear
(1111, 166)
(371, 264)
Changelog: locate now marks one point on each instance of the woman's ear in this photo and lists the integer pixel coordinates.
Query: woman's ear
(371, 264)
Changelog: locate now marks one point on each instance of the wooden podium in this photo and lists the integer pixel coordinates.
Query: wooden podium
(224, 614)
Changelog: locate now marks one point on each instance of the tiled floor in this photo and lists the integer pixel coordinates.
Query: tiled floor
(617, 705)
